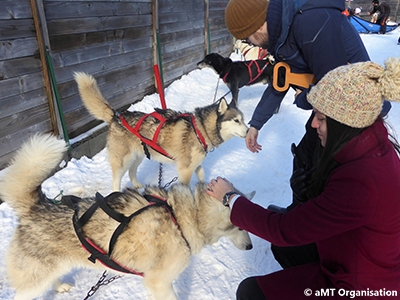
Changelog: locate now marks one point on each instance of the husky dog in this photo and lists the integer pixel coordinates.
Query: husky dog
(237, 74)
(183, 138)
(250, 52)
(46, 246)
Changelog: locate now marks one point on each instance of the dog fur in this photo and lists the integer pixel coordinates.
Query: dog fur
(249, 52)
(236, 73)
(217, 122)
(45, 246)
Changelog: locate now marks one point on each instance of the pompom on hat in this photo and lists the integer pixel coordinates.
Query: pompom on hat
(245, 17)
(353, 94)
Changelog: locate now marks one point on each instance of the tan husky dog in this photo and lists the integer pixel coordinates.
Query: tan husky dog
(157, 242)
(166, 136)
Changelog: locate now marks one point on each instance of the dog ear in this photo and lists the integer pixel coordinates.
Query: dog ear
(246, 195)
(250, 195)
(223, 106)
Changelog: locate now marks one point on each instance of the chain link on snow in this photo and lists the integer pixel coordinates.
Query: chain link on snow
(100, 283)
(54, 200)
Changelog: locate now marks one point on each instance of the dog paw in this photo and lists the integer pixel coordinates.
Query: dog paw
(62, 287)
(138, 186)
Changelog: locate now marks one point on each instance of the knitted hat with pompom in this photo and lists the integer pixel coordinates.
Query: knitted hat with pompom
(353, 94)
(245, 17)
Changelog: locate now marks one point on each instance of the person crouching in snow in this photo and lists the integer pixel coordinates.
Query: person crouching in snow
(353, 214)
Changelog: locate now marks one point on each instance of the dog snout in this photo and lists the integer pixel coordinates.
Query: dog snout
(249, 246)
(201, 64)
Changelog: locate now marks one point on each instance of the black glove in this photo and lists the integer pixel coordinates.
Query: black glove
(298, 183)
(301, 176)
(298, 162)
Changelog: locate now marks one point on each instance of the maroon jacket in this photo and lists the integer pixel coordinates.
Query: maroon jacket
(355, 223)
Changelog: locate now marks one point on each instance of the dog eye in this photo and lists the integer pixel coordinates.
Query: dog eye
(236, 121)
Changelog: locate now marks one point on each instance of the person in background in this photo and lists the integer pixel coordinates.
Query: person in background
(312, 37)
(353, 214)
(383, 11)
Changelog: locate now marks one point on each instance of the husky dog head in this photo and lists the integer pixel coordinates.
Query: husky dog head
(217, 223)
(231, 121)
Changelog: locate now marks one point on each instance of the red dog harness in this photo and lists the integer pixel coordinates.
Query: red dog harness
(248, 64)
(153, 142)
(96, 253)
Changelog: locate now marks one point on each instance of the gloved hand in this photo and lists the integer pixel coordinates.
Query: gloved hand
(301, 177)
(298, 183)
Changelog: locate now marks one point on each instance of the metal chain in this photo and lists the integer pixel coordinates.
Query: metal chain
(216, 90)
(169, 183)
(55, 201)
(160, 178)
(160, 169)
(101, 282)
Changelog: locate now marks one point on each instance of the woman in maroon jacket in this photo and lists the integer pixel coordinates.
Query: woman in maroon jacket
(353, 214)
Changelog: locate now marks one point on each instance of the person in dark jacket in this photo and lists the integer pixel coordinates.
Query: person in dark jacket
(312, 37)
(383, 10)
(353, 214)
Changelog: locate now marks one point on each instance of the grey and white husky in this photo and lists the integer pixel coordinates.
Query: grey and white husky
(45, 244)
(166, 136)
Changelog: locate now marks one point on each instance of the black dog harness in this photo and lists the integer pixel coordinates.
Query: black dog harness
(96, 252)
(153, 142)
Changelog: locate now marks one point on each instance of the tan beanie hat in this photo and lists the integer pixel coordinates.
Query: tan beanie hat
(353, 94)
(245, 17)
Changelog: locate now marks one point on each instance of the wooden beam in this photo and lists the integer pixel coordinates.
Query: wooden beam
(44, 45)
(155, 33)
(207, 45)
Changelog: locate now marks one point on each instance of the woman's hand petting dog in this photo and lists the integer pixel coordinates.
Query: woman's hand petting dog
(218, 187)
(251, 140)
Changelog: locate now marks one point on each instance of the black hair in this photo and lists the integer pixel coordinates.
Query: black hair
(338, 136)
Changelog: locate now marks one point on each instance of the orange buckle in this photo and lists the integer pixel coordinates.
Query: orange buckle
(299, 79)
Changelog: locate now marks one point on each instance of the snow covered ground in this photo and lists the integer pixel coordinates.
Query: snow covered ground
(217, 270)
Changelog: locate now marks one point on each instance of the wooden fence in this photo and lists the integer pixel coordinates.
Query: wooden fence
(43, 42)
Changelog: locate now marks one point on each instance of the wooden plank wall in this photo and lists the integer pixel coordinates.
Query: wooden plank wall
(182, 34)
(222, 41)
(110, 39)
(24, 106)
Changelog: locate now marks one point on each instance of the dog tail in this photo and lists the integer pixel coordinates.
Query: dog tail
(31, 165)
(92, 98)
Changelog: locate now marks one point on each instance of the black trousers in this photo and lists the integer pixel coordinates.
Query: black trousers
(382, 21)
(249, 290)
(307, 151)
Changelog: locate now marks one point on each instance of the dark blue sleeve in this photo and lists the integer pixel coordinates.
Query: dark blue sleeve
(269, 102)
(301, 100)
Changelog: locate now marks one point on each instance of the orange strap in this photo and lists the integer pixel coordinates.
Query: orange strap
(301, 80)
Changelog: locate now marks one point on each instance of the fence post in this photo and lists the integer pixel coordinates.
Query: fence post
(42, 35)
(207, 46)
